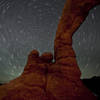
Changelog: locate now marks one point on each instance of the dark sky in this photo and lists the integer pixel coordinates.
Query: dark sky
(31, 24)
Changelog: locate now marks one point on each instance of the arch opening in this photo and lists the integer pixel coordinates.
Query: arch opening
(86, 43)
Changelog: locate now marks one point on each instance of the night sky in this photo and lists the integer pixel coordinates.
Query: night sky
(31, 24)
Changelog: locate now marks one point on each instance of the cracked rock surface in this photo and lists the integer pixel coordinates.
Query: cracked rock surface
(44, 79)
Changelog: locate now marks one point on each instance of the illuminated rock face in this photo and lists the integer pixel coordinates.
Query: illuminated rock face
(43, 79)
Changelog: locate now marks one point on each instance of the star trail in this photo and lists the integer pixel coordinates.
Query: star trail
(31, 24)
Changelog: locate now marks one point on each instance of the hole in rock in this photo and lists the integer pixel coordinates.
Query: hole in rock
(86, 43)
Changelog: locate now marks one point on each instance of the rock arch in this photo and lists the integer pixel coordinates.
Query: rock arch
(44, 80)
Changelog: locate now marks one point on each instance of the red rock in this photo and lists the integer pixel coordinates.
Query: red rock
(47, 57)
(44, 80)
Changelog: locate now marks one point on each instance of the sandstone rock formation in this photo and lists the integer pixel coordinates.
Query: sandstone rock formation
(43, 79)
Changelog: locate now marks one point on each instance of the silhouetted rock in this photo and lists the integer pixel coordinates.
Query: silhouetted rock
(93, 84)
(0, 84)
(43, 79)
